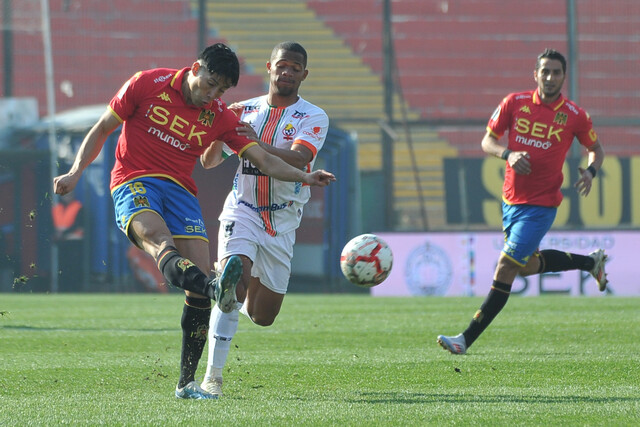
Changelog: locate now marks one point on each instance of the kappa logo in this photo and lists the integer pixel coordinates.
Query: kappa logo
(165, 97)
(561, 118)
(525, 109)
(206, 117)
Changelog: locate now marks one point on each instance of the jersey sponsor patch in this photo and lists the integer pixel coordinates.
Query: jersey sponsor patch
(249, 169)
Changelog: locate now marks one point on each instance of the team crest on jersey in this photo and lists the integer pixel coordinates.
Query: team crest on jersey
(165, 97)
(206, 117)
(525, 109)
(561, 119)
(288, 132)
(299, 115)
(141, 201)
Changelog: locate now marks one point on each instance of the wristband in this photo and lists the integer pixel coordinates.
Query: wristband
(592, 170)
(505, 154)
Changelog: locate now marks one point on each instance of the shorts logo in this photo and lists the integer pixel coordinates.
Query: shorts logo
(141, 201)
(228, 228)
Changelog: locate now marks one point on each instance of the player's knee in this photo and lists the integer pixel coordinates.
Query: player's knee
(262, 320)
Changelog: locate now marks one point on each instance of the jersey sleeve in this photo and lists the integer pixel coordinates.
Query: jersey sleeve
(313, 133)
(227, 127)
(124, 103)
(501, 118)
(585, 133)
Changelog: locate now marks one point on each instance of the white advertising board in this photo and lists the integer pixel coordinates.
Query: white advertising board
(458, 264)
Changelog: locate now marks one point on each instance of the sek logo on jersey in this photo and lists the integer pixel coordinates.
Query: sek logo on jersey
(538, 129)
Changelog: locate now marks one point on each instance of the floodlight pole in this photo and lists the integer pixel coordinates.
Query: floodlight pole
(51, 111)
(387, 141)
(7, 48)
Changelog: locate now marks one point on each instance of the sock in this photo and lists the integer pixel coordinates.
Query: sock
(195, 324)
(183, 273)
(495, 301)
(223, 328)
(552, 261)
(243, 310)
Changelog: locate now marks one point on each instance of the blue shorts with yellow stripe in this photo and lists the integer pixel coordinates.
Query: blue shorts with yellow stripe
(178, 207)
(524, 227)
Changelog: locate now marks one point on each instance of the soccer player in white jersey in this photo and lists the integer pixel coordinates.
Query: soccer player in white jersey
(261, 214)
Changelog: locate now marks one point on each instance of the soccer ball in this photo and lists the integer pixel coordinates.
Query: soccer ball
(366, 260)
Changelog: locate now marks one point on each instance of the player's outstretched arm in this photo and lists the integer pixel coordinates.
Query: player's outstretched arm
(89, 150)
(595, 160)
(279, 169)
(212, 156)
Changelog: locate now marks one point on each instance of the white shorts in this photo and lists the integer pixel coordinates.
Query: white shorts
(271, 256)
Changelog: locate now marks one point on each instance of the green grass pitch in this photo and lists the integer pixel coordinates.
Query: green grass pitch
(344, 360)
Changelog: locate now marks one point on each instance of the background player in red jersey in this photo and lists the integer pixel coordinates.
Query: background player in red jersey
(170, 118)
(541, 125)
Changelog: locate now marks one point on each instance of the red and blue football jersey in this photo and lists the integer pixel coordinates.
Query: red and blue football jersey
(546, 132)
(162, 136)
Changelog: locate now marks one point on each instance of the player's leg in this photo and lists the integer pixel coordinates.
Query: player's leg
(524, 228)
(143, 215)
(234, 239)
(195, 314)
(261, 303)
(551, 260)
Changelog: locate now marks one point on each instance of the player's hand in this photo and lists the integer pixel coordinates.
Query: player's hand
(583, 185)
(64, 184)
(246, 130)
(519, 162)
(237, 108)
(320, 178)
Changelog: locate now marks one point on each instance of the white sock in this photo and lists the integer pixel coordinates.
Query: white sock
(222, 328)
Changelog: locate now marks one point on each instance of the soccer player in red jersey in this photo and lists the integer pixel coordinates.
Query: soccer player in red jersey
(541, 125)
(170, 118)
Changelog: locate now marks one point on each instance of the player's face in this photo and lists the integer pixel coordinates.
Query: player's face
(286, 72)
(549, 77)
(204, 86)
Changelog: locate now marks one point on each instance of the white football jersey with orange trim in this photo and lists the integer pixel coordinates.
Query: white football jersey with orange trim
(273, 204)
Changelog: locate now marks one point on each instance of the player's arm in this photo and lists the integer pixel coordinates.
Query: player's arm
(212, 156)
(298, 156)
(277, 168)
(89, 150)
(518, 160)
(595, 158)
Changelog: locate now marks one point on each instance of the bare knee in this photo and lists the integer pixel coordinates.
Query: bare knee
(262, 321)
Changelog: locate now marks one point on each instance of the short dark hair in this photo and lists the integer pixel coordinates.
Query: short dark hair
(220, 59)
(292, 47)
(552, 54)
